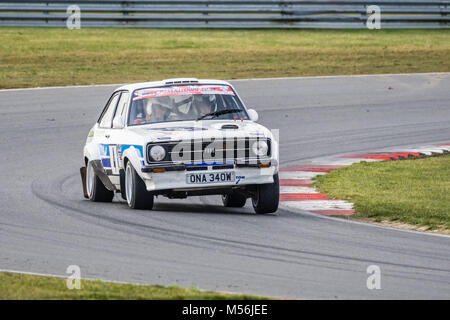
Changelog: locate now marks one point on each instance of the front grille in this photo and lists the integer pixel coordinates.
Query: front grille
(213, 151)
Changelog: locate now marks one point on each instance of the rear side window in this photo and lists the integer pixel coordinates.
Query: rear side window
(122, 104)
(106, 119)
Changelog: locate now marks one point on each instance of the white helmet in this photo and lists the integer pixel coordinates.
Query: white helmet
(151, 102)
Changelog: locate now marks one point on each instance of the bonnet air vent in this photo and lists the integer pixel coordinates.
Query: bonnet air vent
(230, 126)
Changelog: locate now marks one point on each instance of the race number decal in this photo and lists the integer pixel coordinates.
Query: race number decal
(114, 158)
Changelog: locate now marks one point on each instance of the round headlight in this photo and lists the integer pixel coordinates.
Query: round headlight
(157, 153)
(260, 148)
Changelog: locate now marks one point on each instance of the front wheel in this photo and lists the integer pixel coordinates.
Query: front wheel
(96, 191)
(267, 197)
(135, 191)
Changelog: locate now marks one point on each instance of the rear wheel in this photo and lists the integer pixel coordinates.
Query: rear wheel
(96, 191)
(234, 200)
(136, 193)
(267, 197)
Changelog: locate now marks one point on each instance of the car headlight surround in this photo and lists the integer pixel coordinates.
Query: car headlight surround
(157, 153)
(260, 148)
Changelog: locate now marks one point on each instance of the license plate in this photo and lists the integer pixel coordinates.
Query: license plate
(213, 177)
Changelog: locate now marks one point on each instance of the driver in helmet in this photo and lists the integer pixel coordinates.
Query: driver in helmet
(156, 112)
(202, 106)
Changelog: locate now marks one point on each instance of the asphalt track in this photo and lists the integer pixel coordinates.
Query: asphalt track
(46, 225)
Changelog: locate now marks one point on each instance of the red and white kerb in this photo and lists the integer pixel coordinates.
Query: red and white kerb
(297, 193)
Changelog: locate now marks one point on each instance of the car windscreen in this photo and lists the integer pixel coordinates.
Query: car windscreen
(185, 102)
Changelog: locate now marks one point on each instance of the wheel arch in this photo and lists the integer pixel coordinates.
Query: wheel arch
(91, 152)
(132, 155)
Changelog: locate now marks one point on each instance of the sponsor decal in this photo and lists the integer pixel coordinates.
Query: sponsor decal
(139, 148)
(106, 163)
(239, 178)
(169, 130)
(258, 134)
(181, 90)
(120, 149)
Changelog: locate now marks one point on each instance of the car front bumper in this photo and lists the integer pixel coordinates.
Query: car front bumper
(173, 177)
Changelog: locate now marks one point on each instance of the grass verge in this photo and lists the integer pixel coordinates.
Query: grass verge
(413, 192)
(31, 57)
(15, 286)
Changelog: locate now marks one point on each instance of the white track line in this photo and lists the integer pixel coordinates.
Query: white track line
(66, 276)
(289, 189)
(62, 87)
(366, 224)
(341, 161)
(298, 174)
(310, 205)
(429, 150)
(63, 276)
(96, 279)
(254, 79)
(348, 76)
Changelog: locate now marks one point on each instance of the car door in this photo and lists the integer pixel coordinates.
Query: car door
(104, 134)
(117, 137)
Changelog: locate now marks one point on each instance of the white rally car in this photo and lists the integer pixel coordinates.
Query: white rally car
(180, 138)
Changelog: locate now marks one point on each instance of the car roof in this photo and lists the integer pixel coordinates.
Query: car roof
(174, 81)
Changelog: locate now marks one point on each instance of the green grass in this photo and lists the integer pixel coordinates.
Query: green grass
(415, 192)
(32, 57)
(15, 286)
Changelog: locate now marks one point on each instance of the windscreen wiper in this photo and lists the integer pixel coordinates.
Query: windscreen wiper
(219, 113)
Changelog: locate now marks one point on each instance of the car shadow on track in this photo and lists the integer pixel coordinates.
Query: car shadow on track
(186, 207)
(201, 209)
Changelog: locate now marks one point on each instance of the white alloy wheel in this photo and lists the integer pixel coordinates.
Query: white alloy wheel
(135, 190)
(129, 183)
(96, 191)
(90, 180)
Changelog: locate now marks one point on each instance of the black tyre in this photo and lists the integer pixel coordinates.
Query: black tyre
(267, 197)
(136, 193)
(234, 200)
(96, 191)
(122, 184)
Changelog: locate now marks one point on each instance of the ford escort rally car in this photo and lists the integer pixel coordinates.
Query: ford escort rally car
(178, 138)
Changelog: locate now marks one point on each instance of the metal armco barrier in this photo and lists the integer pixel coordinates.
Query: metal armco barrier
(227, 13)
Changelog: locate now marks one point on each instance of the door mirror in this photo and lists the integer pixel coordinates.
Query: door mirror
(118, 122)
(253, 115)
